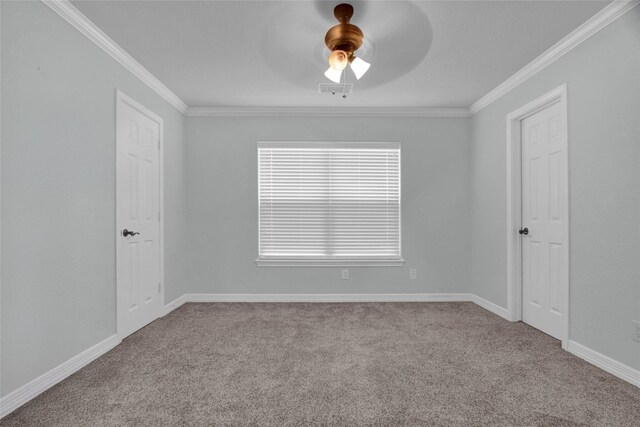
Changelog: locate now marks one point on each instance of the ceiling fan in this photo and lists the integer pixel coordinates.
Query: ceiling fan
(343, 40)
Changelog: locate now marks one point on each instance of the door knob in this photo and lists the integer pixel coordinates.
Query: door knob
(524, 231)
(127, 233)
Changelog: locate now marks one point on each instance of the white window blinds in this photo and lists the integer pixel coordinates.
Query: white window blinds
(329, 202)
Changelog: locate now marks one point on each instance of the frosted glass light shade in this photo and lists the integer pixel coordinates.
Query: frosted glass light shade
(333, 74)
(339, 59)
(359, 67)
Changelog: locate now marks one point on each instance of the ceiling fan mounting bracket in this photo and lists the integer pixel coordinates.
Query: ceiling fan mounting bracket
(343, 12)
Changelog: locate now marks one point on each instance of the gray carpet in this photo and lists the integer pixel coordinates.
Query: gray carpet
(441, 364)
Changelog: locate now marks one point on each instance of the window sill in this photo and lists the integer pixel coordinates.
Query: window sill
(330, 262)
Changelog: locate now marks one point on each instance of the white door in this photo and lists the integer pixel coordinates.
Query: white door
(138, 212)
(544, 265)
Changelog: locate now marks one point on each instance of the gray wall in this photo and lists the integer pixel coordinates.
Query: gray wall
(603, 77)
(58, 191)
(58, 194)
(223, 205)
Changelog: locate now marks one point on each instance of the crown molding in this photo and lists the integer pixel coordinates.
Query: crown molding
(599, 21)
(73, 16)
(606, 16)
(324, 112)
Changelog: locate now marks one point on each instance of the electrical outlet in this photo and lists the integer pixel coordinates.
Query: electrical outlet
(345, 274)
(636, 331)
(413, 274)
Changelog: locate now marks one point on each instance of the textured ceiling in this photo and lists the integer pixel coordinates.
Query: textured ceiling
(271, 53)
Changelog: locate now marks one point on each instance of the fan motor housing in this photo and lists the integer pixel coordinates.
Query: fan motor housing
(345, 37)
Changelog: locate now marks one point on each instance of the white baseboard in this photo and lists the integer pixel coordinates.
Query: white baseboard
(173, 305)
(337, 298)
(489, 306)
(605, 363)
(328, 297)
(33, 388)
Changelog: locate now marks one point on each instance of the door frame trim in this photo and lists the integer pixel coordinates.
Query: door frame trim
(514, 204)
(120, 99)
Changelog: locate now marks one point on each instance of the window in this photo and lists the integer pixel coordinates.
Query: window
(329, 203)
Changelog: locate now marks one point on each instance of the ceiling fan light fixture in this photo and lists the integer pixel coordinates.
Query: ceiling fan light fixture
(359, 67)
(333, 74)
(338, 60)
(343, 40)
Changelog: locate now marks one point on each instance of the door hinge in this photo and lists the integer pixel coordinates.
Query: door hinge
(159, 287)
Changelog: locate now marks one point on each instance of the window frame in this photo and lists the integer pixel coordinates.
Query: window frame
(293, 261)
